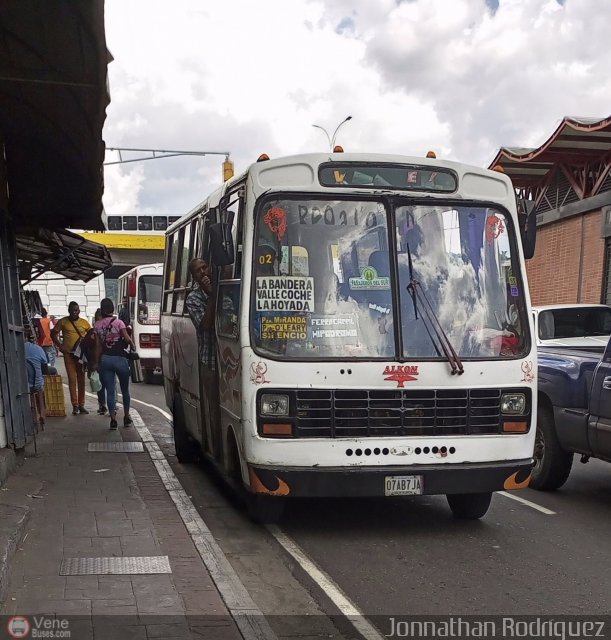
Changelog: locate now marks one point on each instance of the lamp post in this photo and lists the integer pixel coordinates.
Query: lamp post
(331, 139)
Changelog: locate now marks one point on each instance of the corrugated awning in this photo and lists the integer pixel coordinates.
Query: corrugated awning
(53, 98)
(62, 252)
(576, 142)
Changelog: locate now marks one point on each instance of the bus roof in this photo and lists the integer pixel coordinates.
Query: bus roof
(144, 269)
(311, 161)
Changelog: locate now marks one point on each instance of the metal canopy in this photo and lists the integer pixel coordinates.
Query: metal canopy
(53, 99)
(62, 252)
(577, 142)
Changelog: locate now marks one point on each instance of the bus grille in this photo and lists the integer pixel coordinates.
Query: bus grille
(398, 412)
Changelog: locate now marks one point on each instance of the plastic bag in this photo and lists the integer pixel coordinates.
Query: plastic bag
(94, 381)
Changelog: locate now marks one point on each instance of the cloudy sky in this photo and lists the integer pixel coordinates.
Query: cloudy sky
(462, 77)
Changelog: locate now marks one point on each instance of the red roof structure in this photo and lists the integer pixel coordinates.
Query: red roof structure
(573, 164)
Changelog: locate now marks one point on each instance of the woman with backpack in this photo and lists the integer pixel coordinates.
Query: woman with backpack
(114, 342)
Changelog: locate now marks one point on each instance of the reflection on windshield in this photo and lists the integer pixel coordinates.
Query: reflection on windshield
(323, 283)
(322, 280)
(462, 258)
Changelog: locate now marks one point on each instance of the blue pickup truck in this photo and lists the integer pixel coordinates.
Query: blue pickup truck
(574, 414)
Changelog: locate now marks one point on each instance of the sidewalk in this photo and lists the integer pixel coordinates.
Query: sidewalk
(105, 504)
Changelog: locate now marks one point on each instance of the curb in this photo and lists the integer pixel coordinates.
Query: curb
(13, 521)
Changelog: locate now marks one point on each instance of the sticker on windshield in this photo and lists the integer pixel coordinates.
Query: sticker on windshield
(275, 219)
(284, 293)
(377, 307)
(494, 228)
(369, 281)
(515, 292)
(283, 327)
(338, 328)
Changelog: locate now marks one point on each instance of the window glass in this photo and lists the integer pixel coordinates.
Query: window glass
(149, 299)
(229, 309)
(114, 223)
(301, 307)
(459, 263)
(130, 223)
(185, 276)
(170, 274)
(160, 223)
(145, 223)
(574, 322)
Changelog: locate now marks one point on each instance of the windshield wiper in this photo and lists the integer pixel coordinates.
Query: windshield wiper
(431, 321)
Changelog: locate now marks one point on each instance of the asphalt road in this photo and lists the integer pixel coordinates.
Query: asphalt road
(397, 557)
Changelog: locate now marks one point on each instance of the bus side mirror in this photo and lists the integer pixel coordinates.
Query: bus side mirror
(527, 218)
(221, 244)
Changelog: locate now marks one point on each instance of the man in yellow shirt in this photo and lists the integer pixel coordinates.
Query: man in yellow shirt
(73, 329)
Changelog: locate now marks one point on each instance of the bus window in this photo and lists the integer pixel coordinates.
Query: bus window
(173, 219)
(184, 276)
(301, 308)
(149, 299)
(145, 223)
(298, 261)
(170, 269)
(160, 223)
(114, 223)
(229, 309)
(130, 223)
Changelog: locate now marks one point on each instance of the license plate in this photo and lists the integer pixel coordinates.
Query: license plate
(402, 485)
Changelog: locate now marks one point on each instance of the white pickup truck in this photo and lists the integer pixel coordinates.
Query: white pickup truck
(572, 325)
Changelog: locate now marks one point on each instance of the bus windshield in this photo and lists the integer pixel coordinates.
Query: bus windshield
(149, 299)
(466, 266)
(324, 285)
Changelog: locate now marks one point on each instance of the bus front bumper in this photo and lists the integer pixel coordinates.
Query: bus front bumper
(331, 482)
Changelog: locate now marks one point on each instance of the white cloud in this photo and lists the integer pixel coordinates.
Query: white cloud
(253, 77)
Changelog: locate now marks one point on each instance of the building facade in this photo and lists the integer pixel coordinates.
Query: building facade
(569, 178)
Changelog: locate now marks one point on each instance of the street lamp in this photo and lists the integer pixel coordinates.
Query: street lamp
(331, 139)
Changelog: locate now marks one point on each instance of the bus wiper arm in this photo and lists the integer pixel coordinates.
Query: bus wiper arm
(430, 317)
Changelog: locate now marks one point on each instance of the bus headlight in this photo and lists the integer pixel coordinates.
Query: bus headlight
(274, 405)
(513, 404)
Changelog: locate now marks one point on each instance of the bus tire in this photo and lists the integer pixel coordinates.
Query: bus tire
(186, 447)
(265, 509)
(552, 463)
(469, 506)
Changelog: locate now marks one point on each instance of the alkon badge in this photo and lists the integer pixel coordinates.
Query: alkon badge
(401, 374)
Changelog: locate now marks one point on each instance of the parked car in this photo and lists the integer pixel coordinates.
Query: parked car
(574, 411)
(573, 325)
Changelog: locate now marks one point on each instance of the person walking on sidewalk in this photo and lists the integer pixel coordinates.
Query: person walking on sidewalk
(73, 329)
(102, 392)
(44, 337)
(114, 341)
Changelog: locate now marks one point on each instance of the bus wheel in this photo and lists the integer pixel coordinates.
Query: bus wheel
(552, 463)
(265, 509)
(186, 447)
(469, 506)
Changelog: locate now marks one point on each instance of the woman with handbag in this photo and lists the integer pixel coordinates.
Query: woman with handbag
(114, 342)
